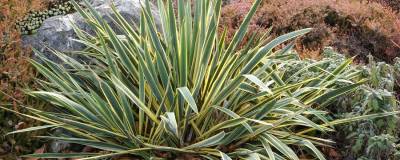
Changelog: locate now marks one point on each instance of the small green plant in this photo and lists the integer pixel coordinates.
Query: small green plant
(370, 139)
(373, 139)
(31, 22)
(183, 92)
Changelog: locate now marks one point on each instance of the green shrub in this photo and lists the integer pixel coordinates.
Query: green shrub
(371, 139)
(354, 28)
(183, 92)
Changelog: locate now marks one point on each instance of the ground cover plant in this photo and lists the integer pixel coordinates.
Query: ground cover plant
(366, 139)
(372, 139)
(183, 92)
(34, 19)
(16, 73)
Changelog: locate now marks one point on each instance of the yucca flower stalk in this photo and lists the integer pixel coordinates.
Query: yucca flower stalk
(179, 90)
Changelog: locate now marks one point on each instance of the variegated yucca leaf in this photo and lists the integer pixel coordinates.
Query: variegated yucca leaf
(180, 88)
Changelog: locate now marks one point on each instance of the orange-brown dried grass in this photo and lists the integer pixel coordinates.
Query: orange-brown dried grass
(393, 4)
(356, 27)
(15, 70)
(16, 73)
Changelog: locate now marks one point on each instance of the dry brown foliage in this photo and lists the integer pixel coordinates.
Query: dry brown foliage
(15, 70)
(16, 73)
(394, 4)
(352, 27)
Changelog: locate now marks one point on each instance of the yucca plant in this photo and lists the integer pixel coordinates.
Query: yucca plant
(177, 90)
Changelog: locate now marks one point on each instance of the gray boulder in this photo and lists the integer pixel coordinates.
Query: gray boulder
(57, 32)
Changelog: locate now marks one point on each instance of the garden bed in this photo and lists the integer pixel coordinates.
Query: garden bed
(182, 108)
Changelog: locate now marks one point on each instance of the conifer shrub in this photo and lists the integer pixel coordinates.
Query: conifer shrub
(394, 4)
(352, 27)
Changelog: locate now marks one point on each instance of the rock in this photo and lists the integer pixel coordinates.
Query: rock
(58, 146)
(57, 32)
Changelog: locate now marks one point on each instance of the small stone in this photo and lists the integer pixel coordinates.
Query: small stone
(58, 146)
(10, 122)
(20, 125)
